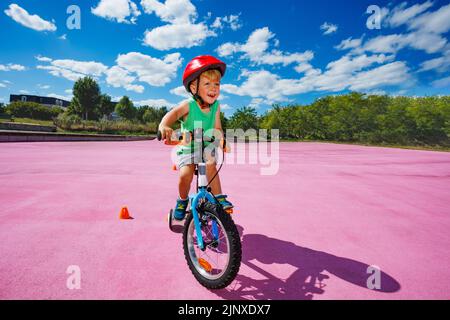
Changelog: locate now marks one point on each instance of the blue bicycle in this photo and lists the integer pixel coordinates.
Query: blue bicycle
(211, 241)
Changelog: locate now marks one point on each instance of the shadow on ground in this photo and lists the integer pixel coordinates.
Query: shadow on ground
(305, 282)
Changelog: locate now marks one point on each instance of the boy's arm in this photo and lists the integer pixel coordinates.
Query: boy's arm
(218, 126)
(218, 123)
(171, 117)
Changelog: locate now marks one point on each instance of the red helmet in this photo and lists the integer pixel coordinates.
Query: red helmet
(200, 64)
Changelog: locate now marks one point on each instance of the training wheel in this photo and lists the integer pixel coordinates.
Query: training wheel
(170, 218)
(174, 225)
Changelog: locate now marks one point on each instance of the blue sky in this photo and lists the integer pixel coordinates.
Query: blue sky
(278, 52)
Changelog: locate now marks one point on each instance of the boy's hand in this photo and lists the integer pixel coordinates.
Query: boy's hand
(166, 132)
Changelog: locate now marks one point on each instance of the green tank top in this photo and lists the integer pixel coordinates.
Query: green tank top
(197, 119)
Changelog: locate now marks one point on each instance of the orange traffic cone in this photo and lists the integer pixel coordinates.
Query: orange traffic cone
(124, 214)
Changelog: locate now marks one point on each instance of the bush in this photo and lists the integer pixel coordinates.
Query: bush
(32, 110)
(72, 122)
(357, 117)
(66, 121)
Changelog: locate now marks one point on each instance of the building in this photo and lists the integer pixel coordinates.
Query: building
(46, 101)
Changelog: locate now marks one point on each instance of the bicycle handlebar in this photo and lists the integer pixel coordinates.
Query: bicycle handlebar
(180, 137)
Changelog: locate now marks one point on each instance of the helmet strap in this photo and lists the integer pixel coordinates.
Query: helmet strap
(198, 98)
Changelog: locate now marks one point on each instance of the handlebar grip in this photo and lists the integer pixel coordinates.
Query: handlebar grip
(208, 139)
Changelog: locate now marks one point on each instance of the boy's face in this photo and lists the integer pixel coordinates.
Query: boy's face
(209, 89)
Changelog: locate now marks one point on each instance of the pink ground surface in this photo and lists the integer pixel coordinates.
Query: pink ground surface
(330, 212)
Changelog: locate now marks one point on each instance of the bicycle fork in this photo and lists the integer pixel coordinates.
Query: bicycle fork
(202, 194)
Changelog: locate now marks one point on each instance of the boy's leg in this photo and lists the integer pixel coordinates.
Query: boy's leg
(216, 188)
(211, 170)
(186, 175)
(184, 184)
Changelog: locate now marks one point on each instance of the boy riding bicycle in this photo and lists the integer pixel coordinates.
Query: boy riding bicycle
(201, 79)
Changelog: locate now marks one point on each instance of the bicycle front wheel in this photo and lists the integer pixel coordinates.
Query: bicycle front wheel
(217, 265)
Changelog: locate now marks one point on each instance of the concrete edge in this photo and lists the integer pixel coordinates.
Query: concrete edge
(32, 136)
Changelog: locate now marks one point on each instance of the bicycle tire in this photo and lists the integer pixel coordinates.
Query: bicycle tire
(235, 249)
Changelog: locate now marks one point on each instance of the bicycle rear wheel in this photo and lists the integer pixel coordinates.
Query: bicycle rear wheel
(217, 265)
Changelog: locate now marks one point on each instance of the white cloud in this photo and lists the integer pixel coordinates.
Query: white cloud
(182, 30)
(73, 69)
(347, 73)
(5, 83)
(130, 67)
(68, 91)
(154, 71)
(60, 72)
(328, 28)
(63, 37)
(433, 22)
(259, 84)
(217, 24)
(426, 31)
(428, 42)
(62, 97)
(180, 91)
(257, 43)
(24, 91)
(386, 44)
(85, 67)
(43, 86)
(43, 59)
(442, 83)
(173, 36)
(122, 11)
(255, 49)
(12, 67)
(232, 21)
(394, 73)
(349, 43)
(401, 15)
(172, 11)
(159, 103)
(228, 49)
(34, 22)
(225, 106)
(118, 77)
(440, 64)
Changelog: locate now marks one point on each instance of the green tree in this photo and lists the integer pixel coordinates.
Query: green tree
(154, 115)
(125, 108)
(32, 110)
(86, 98)
(105, 107)
(140, 112)
(244, 118)
(224, 121)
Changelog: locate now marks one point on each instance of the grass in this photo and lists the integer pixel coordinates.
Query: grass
(59, 130)
(128, 133)
(30, 121)
(383, 145)
(122, 133)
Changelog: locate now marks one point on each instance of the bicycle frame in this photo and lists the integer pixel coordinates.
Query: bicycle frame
(202, 193)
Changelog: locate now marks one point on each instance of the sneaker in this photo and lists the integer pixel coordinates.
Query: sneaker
(222, 198)
(180, 210)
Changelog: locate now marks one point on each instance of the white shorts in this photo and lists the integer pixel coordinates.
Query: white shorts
(195, 158)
